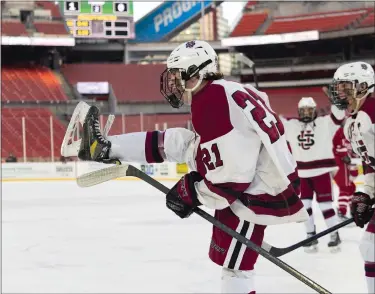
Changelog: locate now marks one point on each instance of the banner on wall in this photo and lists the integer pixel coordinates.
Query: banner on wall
(168, 19)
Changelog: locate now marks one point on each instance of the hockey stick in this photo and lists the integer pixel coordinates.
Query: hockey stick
(103, 175)
(282, 251)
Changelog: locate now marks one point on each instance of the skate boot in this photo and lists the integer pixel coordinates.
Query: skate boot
(94, 147)
(334, 243)
(311, 247)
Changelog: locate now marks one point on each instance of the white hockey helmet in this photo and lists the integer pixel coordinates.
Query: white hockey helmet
(355, 80)
(190, 59)
(307, 109)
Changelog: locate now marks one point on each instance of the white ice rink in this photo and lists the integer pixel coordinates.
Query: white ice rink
(119, 237)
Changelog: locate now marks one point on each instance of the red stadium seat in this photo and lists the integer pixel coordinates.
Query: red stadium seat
(284, 101)
(37, 126)
(51, 28)
(13, 28)
(249, 24)
(31, 84)
(130, 82)
(323, 22)
(368, 21)
(50, 5)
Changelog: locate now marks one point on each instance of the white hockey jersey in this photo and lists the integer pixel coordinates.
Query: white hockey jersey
(360, 131)
(239, 147)
(311, 143)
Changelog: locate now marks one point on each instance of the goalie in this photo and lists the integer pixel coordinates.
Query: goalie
(240, 162)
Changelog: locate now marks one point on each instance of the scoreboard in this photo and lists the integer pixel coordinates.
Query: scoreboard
(99, 19)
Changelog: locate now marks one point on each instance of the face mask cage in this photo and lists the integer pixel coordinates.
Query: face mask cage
(172, 82)
(307, 114)
(342, 90)
(172, 86)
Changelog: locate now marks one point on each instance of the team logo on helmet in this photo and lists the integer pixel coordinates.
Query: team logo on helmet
(190, 44)
(364, 66)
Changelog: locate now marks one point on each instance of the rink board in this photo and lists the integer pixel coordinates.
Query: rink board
(57, 171)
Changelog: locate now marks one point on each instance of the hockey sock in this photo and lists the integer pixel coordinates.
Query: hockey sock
(329, 213)
(370, 276)
(309, 224)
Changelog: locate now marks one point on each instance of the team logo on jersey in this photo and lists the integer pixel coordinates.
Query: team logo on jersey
(306, 139)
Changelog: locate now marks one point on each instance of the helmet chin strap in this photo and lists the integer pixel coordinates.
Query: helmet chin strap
(358, 102)
(189, 92)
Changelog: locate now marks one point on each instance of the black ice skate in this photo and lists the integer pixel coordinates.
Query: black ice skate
(94, 147)
(311, 247)
(334, 242)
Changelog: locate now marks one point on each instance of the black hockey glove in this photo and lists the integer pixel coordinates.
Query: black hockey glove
(182, 198)
(361, 208)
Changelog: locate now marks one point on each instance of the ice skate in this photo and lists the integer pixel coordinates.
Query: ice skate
(92, 145)
(334, 243)
(311, 247)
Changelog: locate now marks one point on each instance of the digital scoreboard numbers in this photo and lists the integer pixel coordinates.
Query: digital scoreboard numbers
(99, 19)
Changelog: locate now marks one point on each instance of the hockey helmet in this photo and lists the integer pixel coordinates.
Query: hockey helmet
(351, 83)
(190, 59)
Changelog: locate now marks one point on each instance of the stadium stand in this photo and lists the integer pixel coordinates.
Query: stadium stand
(49, 5)
(13, 28)
(368, 21)
(37, 126)
(249, 24)
(130, 82)
(284, 100)
(50, 28)
(323, 22)
(31, 84)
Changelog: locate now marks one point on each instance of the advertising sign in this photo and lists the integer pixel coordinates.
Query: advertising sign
(169, 18)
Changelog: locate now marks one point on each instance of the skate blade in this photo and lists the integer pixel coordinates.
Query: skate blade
(311, 249)
(335, 249)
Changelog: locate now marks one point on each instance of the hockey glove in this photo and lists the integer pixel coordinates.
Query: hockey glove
(182, 198)
(361, 208)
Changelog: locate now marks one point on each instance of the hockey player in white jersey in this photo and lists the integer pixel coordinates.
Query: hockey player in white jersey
(238, 156)
(351, 89)
(310, 138)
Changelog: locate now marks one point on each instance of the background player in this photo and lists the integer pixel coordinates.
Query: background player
(351, 89)
(308, 136)
(236, 136)
(346, 173)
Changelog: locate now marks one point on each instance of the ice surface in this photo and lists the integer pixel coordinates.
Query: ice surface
(118, 237)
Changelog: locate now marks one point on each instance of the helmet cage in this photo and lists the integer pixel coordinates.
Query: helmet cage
(309, 117)
(173, 92)
(339, 96)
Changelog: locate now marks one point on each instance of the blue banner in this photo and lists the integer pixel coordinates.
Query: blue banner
(168, 19)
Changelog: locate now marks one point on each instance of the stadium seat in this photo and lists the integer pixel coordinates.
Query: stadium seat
(323, 22)
(368, 21)
(13, 28)
(249, 24)
(51, 28)
(50, 5)
(284, 101)
(37, 126)
(31, 84)
(130, 82)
